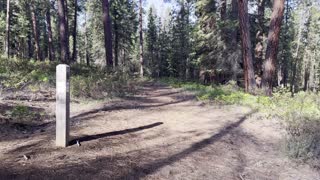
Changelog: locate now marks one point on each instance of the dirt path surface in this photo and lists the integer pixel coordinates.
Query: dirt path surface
(160, 133)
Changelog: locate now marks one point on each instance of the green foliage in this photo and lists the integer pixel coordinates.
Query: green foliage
(216, 45)
(302, 121)
(152, 44)
(86, 82)
(168, 43)
(98, 84)
(124, 27)
(15, 73)
(21, 113)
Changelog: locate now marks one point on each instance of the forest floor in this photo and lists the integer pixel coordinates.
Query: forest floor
(159, 133)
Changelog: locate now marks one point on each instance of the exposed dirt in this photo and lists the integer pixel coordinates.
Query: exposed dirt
(161, 133)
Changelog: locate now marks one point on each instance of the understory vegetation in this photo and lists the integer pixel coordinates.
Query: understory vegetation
(300, 114)
(86, 82)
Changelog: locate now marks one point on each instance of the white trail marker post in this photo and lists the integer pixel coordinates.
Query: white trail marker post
(62, 105)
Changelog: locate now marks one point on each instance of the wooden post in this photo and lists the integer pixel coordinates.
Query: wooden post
(62, 105)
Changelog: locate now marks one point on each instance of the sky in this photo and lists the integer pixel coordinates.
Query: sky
(159, 5)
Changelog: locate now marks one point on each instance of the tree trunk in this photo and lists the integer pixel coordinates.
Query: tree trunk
(30, 52)
(260, 36)
(74, 33)
(7, 41)
(295, 62)
(285, 58)
(35, 33)
(141, 39)
(116, 44)
(62, 32)
(246, 46)
(223, 9)
(272, 46)
(67, 28)
(107, 33)
(50, 39)
(306, 76)
(86, 39)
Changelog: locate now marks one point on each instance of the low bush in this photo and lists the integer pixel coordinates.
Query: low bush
(100, 84)
(15, 73)
(86, 82)
(301, 115)
(21, 113)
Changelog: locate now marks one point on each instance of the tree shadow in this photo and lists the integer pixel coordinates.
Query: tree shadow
(119, 166)
(114, 133)
(149, 168)
(165, 94)
(127, 107)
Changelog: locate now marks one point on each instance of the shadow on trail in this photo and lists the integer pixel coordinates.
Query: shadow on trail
(127, 107)
(114, 133)
(152, 167)
(122, 166)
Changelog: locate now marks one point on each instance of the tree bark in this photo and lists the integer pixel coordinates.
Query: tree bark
(74, 33)
(62, 32)
(246, 46)
(260, 36)
(223, 9)
(86, 39)
(50, 39)
(107, 33)
(285, 58)
(7, 41)
(30, 52)
(298, 52)
(116, 44)
(306, 76)
(35, 33)
(67, 27)
(141, 39)
(272, 46)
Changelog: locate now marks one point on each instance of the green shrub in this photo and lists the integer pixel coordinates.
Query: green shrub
(22, 113)
(15, 73)
(100, 84)
(86, 82)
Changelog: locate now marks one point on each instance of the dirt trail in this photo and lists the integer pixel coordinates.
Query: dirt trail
(161, 133)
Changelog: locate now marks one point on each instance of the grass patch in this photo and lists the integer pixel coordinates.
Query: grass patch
(23, 114)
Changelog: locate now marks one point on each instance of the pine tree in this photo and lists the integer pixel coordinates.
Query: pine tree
(141, 38)
(62, 30)
(35, 30)
(7, 39)
(49, 29)
(272, 46)
(107, 33)
(246, 46)
(74, 32)
(151, 42)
